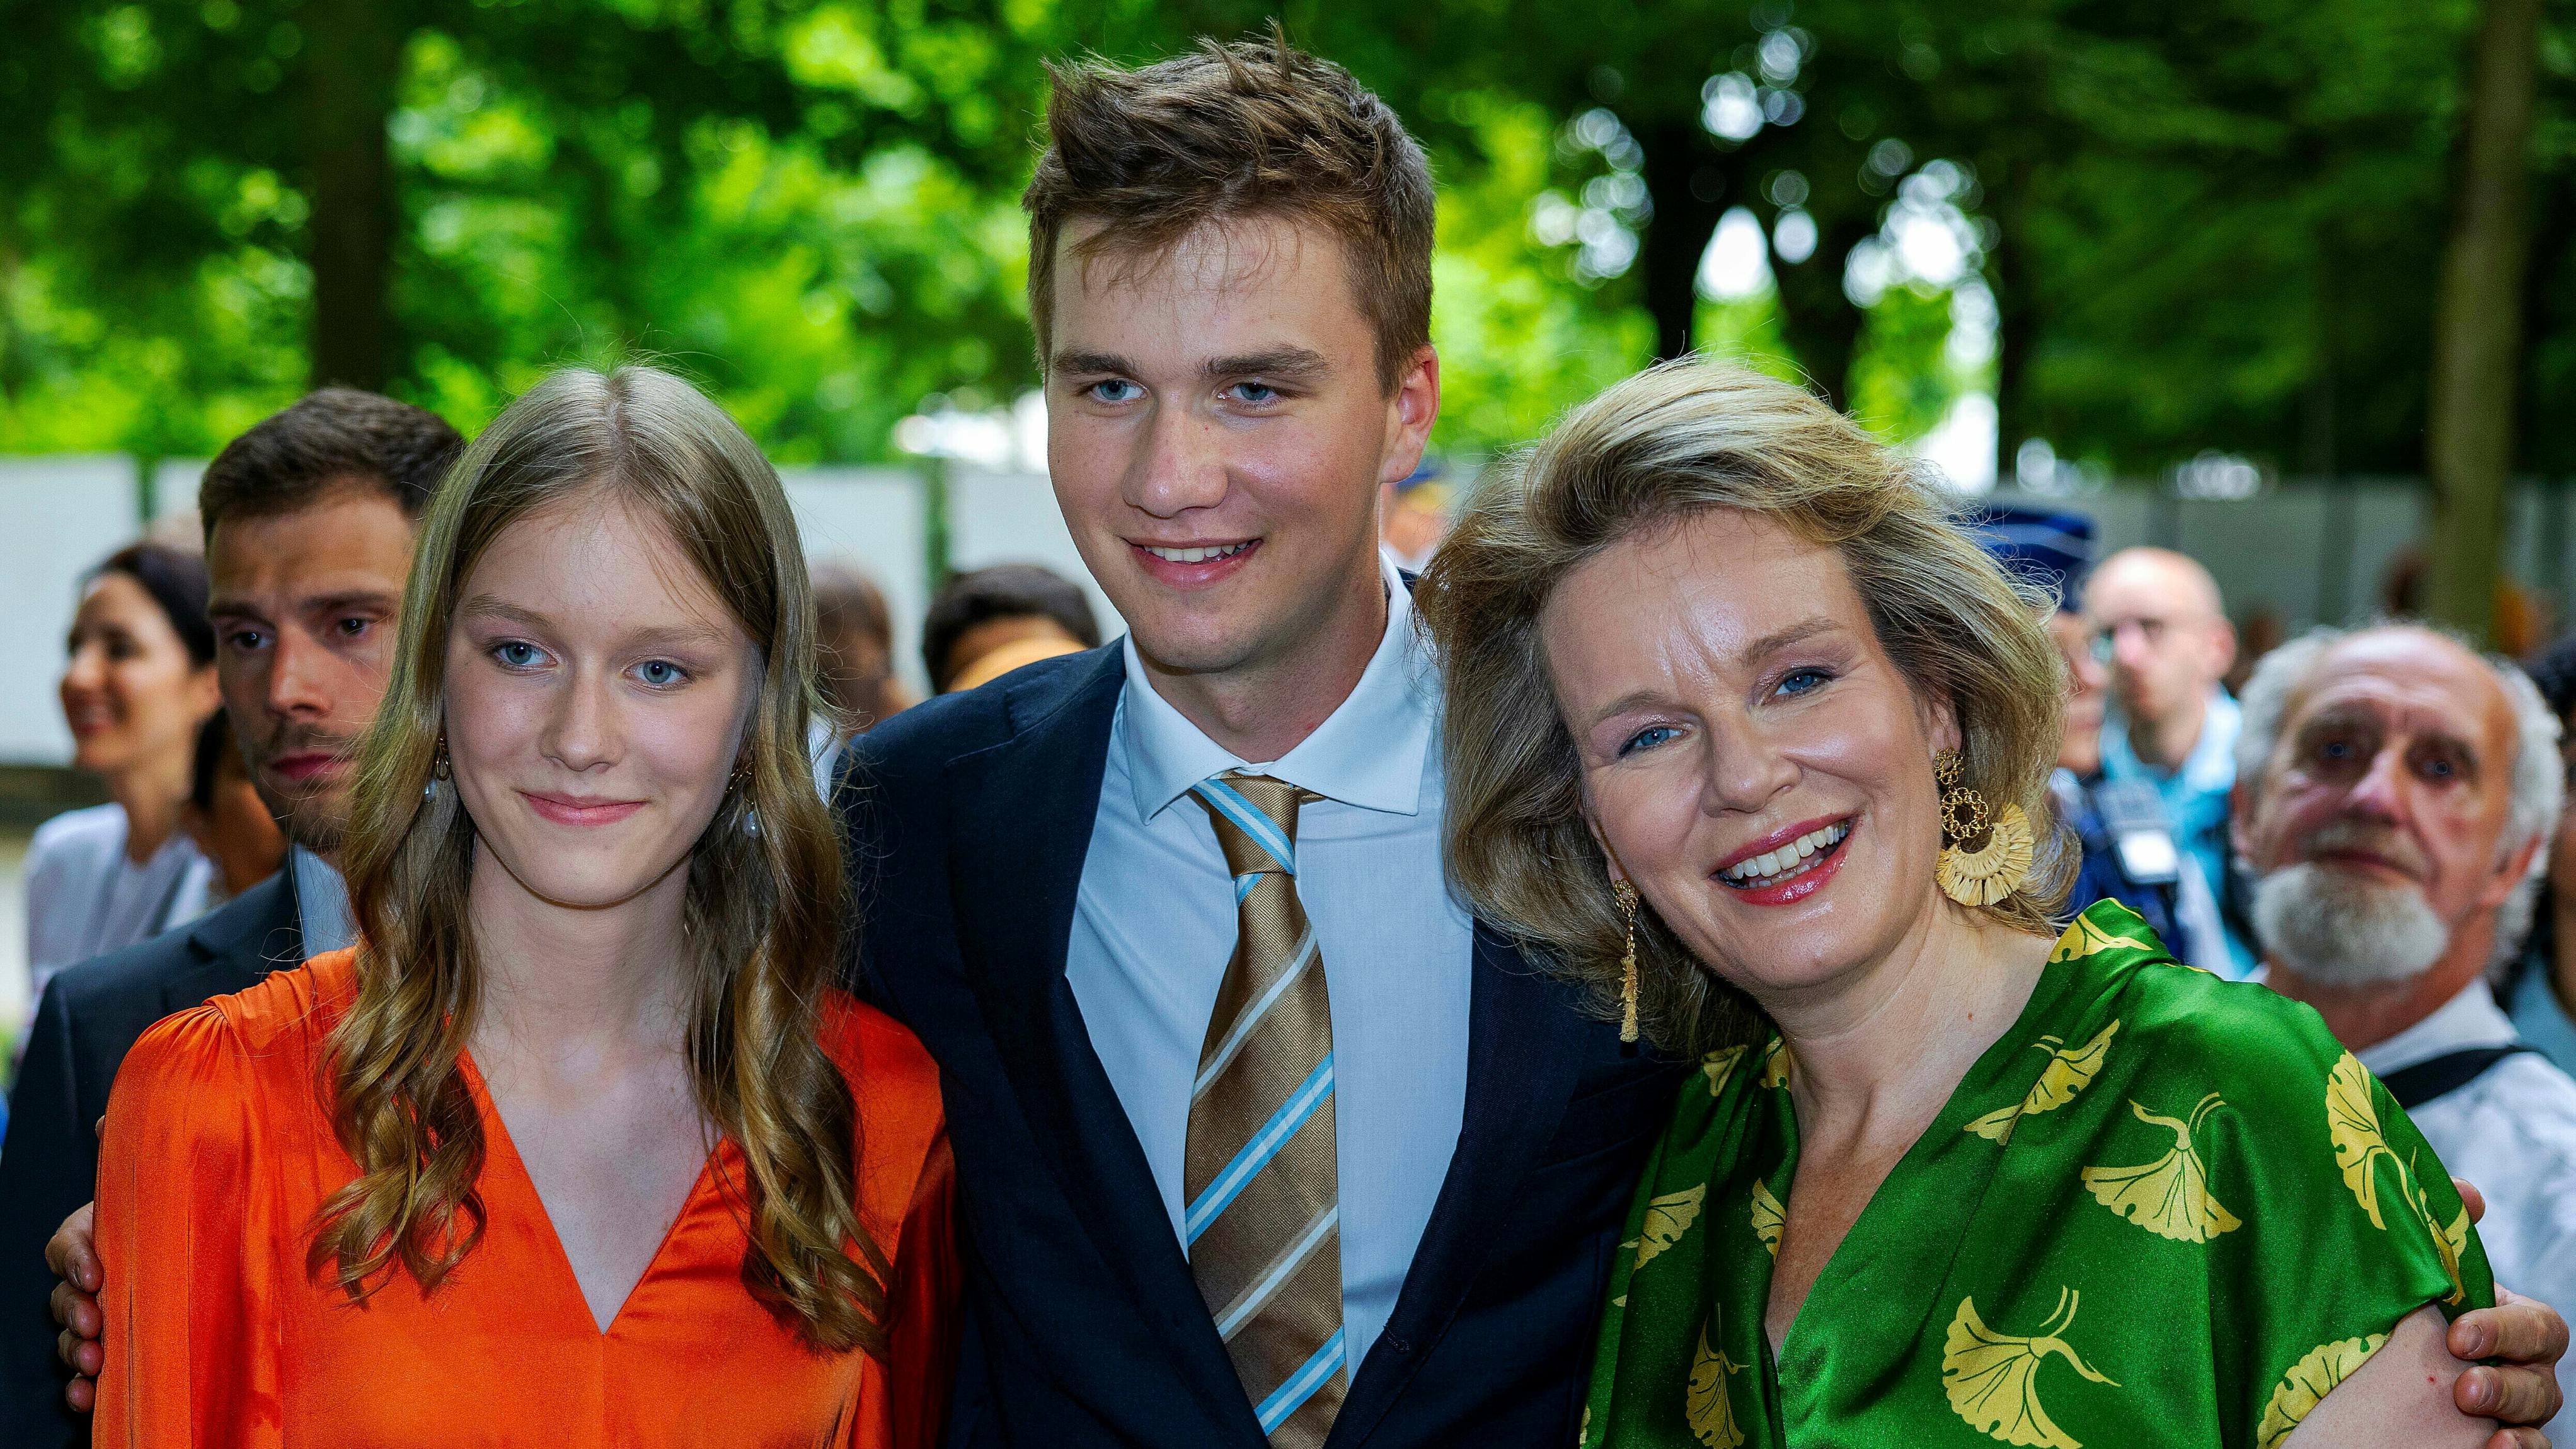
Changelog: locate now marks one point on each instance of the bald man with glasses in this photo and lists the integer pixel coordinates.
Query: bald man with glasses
(2158, 623)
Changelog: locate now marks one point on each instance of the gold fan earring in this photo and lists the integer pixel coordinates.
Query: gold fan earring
(1626, 897)
(1992, 870)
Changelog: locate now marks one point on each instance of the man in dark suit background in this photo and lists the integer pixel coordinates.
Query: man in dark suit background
(309, 518)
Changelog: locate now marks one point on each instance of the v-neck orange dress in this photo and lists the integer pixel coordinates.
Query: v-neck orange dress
(218, 1154)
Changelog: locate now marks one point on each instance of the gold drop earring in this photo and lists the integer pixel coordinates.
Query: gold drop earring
(1992, 871)
(1626, 895)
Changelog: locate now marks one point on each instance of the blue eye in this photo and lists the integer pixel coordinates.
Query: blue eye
(660, 672)
(518, 654)
(1254, 392)
(1803, 681)
(1114, 390)
(1648, 738)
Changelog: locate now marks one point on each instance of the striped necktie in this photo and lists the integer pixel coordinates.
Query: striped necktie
(1264, 1218)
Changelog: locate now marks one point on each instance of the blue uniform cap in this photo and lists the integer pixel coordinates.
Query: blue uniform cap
(2052, 550)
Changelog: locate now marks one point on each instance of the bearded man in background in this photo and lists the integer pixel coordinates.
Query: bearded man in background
(2394, 792)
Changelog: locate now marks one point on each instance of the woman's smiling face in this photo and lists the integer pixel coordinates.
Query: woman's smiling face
(1757, 765)
(598, 693)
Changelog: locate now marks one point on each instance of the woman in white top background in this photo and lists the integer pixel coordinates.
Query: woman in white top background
(138, 682)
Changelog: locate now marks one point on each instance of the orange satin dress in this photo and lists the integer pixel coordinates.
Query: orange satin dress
(218, 1153)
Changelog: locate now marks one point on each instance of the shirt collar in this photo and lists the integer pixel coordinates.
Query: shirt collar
(2210, 767)
(2470, 1019)
(321, 903)
(1369, 752)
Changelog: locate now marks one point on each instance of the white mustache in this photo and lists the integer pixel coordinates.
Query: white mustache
(2348, 833)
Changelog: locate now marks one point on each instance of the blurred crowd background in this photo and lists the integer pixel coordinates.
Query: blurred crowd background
(2287, 288)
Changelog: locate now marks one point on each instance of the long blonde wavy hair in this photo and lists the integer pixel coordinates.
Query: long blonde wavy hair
(763, 906)
(1669, 442)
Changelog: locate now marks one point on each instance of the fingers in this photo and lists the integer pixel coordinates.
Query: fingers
(72, 1251)
(2470, 1198)
(2517, 1330)
(81, 1394)
(2512, 1394)
(83, 1354)
(2518, 1439)
(77, 1312)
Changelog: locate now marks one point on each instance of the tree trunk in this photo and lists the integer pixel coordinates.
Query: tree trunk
(2017, 324)
(2477, 323)
(353, 54)
(1676, 155)
(1819, 323)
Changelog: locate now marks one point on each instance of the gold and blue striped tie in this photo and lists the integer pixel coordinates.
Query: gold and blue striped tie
(1264, 1217)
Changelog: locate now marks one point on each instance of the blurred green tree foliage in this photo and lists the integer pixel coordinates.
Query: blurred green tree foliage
(2211, 223)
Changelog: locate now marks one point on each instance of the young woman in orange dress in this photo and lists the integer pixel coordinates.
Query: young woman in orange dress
(579, 1146)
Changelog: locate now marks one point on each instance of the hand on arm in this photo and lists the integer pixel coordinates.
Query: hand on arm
(72, 1252)
(2400, 1399)
(2527, 1338)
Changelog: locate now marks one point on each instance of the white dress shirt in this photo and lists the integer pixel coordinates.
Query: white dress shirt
(2512, 1132)
(1154, 926)
(85, 899)
(321, 904)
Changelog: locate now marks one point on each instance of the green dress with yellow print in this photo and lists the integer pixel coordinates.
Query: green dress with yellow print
(2163, 1209)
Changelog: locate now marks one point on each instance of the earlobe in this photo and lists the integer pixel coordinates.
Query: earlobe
(2516, 868)
(1609, 857)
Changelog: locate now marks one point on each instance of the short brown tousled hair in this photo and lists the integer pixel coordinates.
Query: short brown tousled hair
(328, 439)
(1673, 441)
(1257, 128)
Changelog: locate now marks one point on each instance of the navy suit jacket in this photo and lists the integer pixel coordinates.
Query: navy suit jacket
(967, 820)
(90, 1017)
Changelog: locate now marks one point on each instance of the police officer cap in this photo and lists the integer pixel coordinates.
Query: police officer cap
(2052, 550)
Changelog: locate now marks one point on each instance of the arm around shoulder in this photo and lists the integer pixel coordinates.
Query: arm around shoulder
(176, 1225)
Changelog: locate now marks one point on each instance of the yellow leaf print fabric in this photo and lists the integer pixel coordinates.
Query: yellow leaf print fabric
(2353, 1122)
(1710, 1411)
(1993, 1378)
(2147, 1263)
(1718, 1065)
(2169, 1197)
(2086, 936)
(1768, 1220)
(2308, 1382)
(1667, 1218)
(2067, 1073)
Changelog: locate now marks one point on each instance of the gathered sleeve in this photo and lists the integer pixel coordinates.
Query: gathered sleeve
(922, 1358)
(2349, 1223)
(191, 1350)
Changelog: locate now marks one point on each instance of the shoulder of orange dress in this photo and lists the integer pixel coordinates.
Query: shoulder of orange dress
(300, 1000)
(869, 1045)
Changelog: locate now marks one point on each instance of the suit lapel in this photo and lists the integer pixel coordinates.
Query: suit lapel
(1524, 1038)
(237, 946)
(1022, 827)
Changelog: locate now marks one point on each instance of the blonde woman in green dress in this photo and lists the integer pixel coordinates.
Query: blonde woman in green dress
(1746, 731)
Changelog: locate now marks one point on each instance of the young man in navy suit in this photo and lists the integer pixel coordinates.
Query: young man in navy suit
(1231, 291)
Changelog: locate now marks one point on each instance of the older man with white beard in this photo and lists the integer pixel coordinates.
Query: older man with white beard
(2393, 793)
